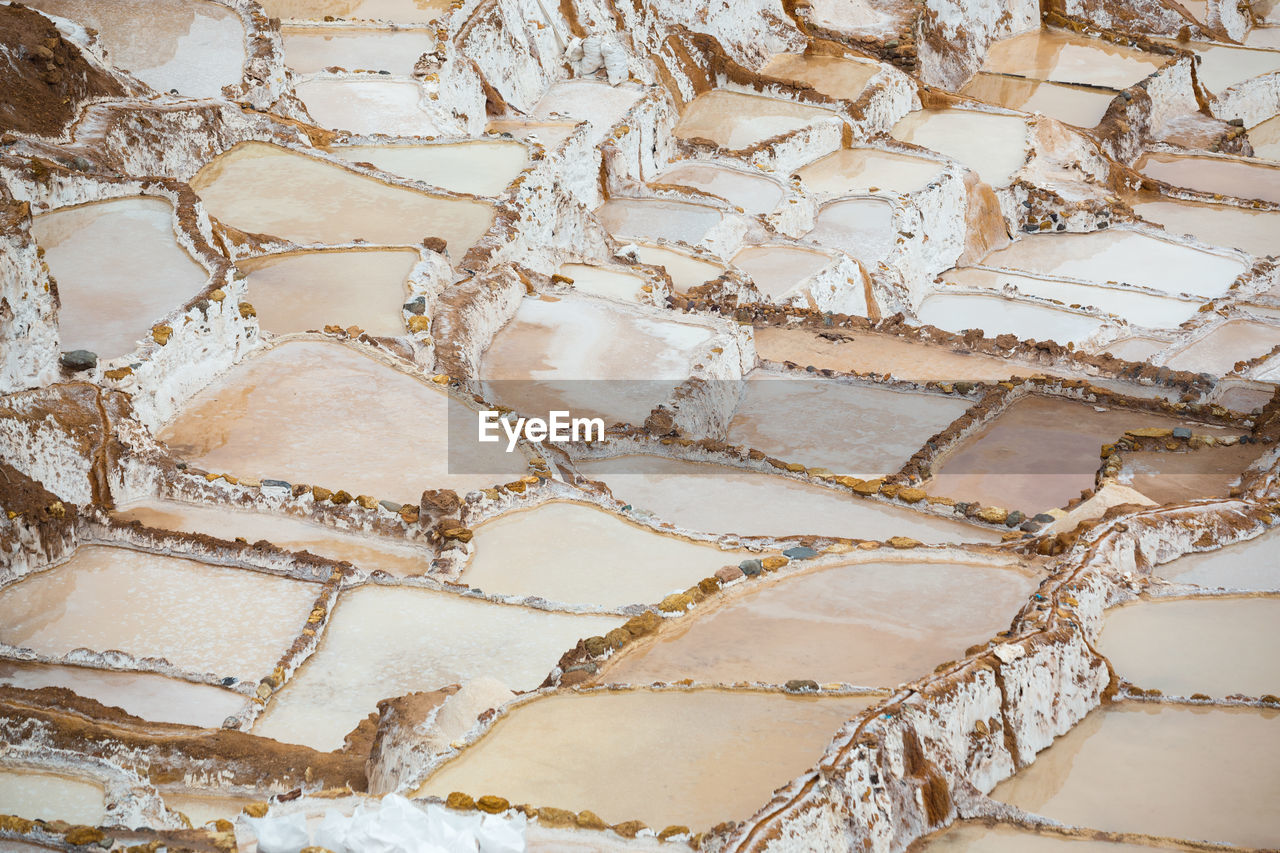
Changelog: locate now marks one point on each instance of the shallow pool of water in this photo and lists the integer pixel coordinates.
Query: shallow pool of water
(977, 838)
(685, 270)
(862, 227)
(35, 794)
(1219, 351)
(311, 49)
(998, 315)
(656, 219)
(1252, 564)
(604, 281)
(993, 145)
(481, 167)
(1064, 57)
(861, 170)
(779, 270)
(834, 76)
(1083, 107)
(1223, 175)
(1252, 231)
(395, 11)
(390, 107)
(594, 101)
(753, 193)
(736, 120)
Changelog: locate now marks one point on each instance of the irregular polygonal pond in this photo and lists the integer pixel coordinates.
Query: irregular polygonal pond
(311, 49)
(1224, 175)
(594, 101)
(1231, 342)
(778, 271)
(870, 624)
(1083, 107)
(383, 642)
(736, 120)
(483, 167)
(991, 144)
(861, 170)
(977, 838)
(657, 219)
(862, 227)
(753, 193)
(1265, 138)
(119, 270)
(201, 618)
(685, 758)
(1252, 231)
(1210, 472)
(391, 107)
(834, 76)
(603, 281)
(394, 11)
(998, 315)
(1221, 66)
(1252, 564)
(685, 270)
(51, 796)
(1068, 58)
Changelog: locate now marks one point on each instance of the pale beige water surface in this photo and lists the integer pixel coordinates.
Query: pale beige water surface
(200, 617)
(685, 270)
(594, 101)
(1220, 350)
(976, 838)
(689, 758)
(657, 219)
(863, 227)
(753, 193)
(779, 270)
(1083, 107)
(999, 315)
(1209, 472)
(720, 499)
(1215, 646)
(311, 49)
(870, 624)
(1135, 348)
(1068, 58)
(736, 120)
(991, 144)
(605, 282)
(367, 551)
(834, 76)
(547, 133)
(50, 796)
(576, 553)
(1222, 66)
(1265, 138)
(383, 642)
(201, 809)
(1228, 176)
(194, 46)
(142, 694)
(310, 290)
(1196, 773)
(273, 190)
(119, 269)
(860, 170)
(1252, 564)
(391, 449)
(1254, 231)
(396, 11)
(359, 105)
(482, 167)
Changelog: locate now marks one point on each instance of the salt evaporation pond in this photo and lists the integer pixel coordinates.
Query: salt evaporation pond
(1222, 66)
(310, 290)
(267, 189)
(1178, 477)
(367, 106)
(657, 219)
(594, 101)
(201, 810)
(335, 440)
(736, 120)
(604, 282)
(999, 315)
(387, 641)
(653, 756)
(51, 796)
(778, 271)
(1223, 175)
(194, 46)
(1064, 57)
(392, 11)
(753, 193)
(311, 49)
(119, 269)
(834, 76)
(371, 553)
(869, 624)
(1180, 772)
(1253, 564)
(482, 167)
(686, 270)
(862, 227)
(1078, 105)
(720, 499)
(579, 554)
(1213, 646)
(201, 618)
(859, 17)
(991, 144)
(1265, 138)
(862, 430)
(1252, 231)
(976, 838)
(862, 170)
(1231, 342)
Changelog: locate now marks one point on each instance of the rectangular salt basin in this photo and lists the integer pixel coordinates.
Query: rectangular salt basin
(1182, 772)
(1221, 175)
(862, 227)
(1253, 564)
(119, 269)
(267, 189)
(753, 193)
(393, 449)
(481, 167)
(384, 642)
(834, 76)
(1038, 454)
(395, 11)
(1252, 231)
(736, 120)
(1219, 351)
(779, 271)
(548, 134)
(194, 46)
(594, 101)
(1067, 58)
(850, 429)
(719, 499)
(201, 618)
(869, 624)
(993, 145)
(974, 837)
(604, 282)
(202, 810)
(579, 554)
(307, 291)
(142, 694)
(685, 270)
(1265, 138)
(36, 794)
(1214, 646)
(1210, 472)
(379, 105)
(368, 551)
(999, 315)
(689, 758)
(1222, 66)
(656, 219)
(862, 170)
(311, 49)
(1071, 104)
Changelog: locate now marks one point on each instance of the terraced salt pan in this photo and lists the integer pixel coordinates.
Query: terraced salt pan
(833, 76)
(1068, 58)
(385, 641)
(366, 551)
(578, 554)
(1252, 564)
(1226, 176)
(997, 315)
(395, 11)
(1222, 66)
(1135, 348)
(1265, 138)
(1232, 342)
(482, 167)
(49, 796)
(1083, 107)
(201, 618)
(851, 171)
(391, 107)
(1214, 646)
(194, 46)
(594, 101)
(993, 145)
(323, 414)
(779, 270)
(605, 282)
(655, 219)
(119, 269)
(976, 838)
(850, 429)
(858, 16)
(201, 810)
(719, 499)
(307, 291)
(862, 227)
(311, 49)
(685, 270)
(1038, 454)
(870, 624)
(1195, 773)
(1178, 477)
(142, 694)
(548, 133)
(681, 758)
(753, 193)
(267, 189)
(1252, 231)
(735, 120)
